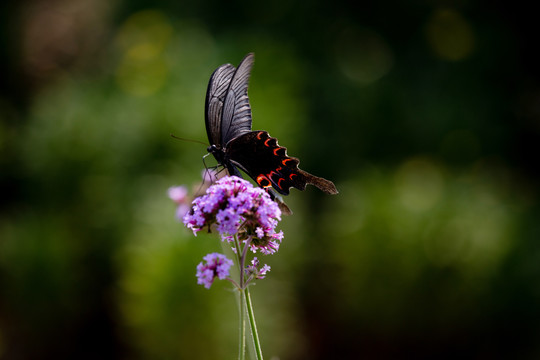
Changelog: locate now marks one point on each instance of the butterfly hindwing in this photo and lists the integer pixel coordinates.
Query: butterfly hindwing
(260, 156)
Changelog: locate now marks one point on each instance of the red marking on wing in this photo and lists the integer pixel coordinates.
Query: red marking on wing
(263, 181)
(291, 176)
(284, 161)
(270, 174)
(276, 150)
(266, 142)
(259, 135)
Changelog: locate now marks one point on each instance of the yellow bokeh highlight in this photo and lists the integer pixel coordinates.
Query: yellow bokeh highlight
(449, 35)
(143, 40)
(419, 184)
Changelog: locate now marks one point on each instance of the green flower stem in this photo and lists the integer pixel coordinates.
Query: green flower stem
(242, 306)
(239, 259)
(243, 263)
(246, 304)
(251, 315)
(242, 340)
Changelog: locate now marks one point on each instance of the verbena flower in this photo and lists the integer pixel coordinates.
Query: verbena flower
(178, 194)
(253, 271)
(235, 207)
(245, 217)
(217, 265)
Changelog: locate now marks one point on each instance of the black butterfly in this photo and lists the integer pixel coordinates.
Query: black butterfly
(235, 145)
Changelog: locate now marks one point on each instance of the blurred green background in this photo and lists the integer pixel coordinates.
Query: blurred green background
(425, 114)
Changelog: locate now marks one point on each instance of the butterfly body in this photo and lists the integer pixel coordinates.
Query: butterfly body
(236, 146)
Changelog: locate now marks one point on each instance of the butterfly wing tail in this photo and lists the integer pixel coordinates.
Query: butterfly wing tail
(325, 185)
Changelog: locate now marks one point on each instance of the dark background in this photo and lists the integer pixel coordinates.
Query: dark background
(425, 114)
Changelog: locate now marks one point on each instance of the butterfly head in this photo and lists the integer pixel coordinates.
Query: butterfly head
(219, 154)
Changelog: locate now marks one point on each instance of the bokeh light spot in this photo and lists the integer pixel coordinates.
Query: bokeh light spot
(143, 40)
(60, 36)
(149, 26)
(419, 184)
(141, 78)
(449, 35)
(363, 56)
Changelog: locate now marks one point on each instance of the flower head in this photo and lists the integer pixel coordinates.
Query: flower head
(238, 208)
(217, 265)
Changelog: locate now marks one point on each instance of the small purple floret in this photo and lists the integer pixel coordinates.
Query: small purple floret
(254, 271)
(217, 265)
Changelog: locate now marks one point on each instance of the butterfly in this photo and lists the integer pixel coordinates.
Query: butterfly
(236, 146)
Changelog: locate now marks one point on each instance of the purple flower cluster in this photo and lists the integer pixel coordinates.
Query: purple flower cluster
(235, 207)
(217, 265)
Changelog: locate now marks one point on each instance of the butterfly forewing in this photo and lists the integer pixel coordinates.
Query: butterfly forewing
(236, 117)
(215, 98)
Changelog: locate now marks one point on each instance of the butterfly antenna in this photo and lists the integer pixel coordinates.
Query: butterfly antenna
(190, 140)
